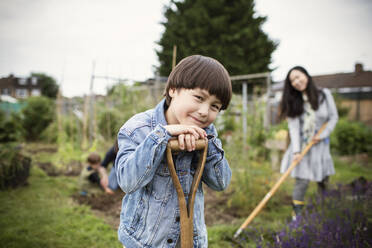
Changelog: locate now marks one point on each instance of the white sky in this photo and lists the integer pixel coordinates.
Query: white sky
(62, 38)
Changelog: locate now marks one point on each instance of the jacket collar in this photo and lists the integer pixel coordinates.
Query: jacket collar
(159, 115)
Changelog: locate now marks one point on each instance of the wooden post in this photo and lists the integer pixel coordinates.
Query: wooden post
(267, 119)
(174, 56)
(85, 122)
(244, 102)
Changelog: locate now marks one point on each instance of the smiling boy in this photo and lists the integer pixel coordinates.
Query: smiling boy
(197, 90)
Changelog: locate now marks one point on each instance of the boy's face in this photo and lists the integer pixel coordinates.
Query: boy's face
(192, 107)
(95, 166)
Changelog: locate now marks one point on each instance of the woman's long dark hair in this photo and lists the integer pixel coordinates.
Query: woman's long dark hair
(292, 104)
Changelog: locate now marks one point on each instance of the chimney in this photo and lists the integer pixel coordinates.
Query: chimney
(358, 68)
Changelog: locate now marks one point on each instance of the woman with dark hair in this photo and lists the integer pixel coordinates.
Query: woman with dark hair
(307, 108)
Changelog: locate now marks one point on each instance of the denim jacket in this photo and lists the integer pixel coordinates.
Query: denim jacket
(150, 215)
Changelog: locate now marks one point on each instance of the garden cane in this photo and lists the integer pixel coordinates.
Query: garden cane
(278, 183)
(187, 211)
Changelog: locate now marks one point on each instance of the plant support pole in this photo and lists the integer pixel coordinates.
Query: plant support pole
(277, 184)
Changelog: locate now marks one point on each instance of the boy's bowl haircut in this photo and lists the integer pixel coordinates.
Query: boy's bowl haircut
(202, 72)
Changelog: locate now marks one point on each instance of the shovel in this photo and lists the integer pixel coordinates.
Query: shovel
(187, 210)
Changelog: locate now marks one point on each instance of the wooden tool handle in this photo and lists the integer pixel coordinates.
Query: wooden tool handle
(199, 144)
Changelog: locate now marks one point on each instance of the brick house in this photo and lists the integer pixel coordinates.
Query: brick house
(354, 89)
(19, 87)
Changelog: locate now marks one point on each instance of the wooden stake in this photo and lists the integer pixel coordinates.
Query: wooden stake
(174, 56)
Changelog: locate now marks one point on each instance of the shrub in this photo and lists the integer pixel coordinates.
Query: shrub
(351, 138)
(109, 123)
(14, 167)
(37, 115)
(10, 127)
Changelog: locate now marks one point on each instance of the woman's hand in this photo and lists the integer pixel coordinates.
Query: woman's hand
(296, 156)
(187, 135)
(316, 140)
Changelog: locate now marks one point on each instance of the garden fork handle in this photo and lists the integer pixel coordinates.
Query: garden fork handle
(187, 211)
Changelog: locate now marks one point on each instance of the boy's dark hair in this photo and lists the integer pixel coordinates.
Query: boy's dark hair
(292, 104)
(202, 72)
(94, 158)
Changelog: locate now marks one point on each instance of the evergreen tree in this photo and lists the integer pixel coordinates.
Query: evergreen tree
(227, 30)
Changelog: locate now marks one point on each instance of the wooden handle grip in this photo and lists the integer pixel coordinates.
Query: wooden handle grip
(199, 144)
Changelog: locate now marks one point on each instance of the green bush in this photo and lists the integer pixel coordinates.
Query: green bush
(351, 137)
(14, 167)
(109, 123)
(37, 115)
(10, 127)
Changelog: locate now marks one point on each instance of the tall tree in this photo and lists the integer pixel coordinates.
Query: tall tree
(48, 85)
(227, 30)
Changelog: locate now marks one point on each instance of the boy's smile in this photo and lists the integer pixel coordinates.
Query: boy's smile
(192, 107)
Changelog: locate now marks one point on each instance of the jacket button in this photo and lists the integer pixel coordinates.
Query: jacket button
(177, 218)
(170, 241)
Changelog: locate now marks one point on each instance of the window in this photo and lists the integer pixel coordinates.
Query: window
(35, 92)
(21, 93)
(22, 81)
(34, 80)
(5, 91)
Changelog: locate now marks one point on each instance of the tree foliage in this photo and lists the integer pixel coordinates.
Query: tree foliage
(37, 115)
(48, 85)
(10, 127)
(227, 30)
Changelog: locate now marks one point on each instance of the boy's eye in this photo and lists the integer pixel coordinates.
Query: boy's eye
(198, 97)
(216, 107)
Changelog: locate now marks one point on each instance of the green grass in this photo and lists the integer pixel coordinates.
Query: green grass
(42, 214)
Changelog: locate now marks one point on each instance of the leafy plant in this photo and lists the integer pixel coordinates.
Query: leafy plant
(351, 137)
(10, 127)
(37, 115)
(14, 167)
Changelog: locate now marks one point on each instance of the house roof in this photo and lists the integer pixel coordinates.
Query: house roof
(343, 80)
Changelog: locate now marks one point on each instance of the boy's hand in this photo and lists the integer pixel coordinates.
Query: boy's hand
(187, 135)
(109, 191)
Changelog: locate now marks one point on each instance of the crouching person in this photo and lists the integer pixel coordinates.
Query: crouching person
(93, 178)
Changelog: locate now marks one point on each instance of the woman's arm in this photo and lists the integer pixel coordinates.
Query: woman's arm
(333, 115)
(294, 134)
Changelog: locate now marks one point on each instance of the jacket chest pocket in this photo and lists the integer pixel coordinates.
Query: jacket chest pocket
(161, 183)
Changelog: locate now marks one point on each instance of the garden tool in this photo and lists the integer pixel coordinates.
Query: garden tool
(277, 184)
(187, 211)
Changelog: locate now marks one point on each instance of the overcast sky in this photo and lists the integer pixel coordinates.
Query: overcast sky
(63, 38)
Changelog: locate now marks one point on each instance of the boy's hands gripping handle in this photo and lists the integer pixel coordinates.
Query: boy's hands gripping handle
(199, 144)
(187, 210)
